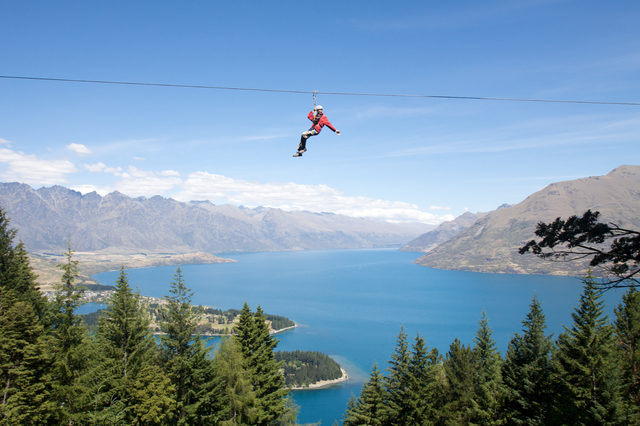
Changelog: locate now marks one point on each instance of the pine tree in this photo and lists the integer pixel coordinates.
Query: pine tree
(585, 365)
(487, 390)
(16, 274)
(24, 365)
(69, 343)
(151, 400)
(424, 396)
(627, 325)
(183, 351)
(368, 409)
(257, 347)
(459, 370)
(526, 372)
(24, 359)
(8, 267)
(123, 348)
(397, 382)
(349, 416)
(290, 415)
(238, 398)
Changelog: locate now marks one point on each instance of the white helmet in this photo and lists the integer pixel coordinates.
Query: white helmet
(318, 107)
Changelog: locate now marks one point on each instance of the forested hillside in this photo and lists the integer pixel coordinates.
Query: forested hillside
(54, 371)
(302, 368)
(211, 322)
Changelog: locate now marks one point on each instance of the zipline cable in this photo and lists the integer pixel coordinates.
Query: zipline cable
(315, 92)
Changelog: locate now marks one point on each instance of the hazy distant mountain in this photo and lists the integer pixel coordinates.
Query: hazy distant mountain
(491, 244)
(49, 217)
(447, 230)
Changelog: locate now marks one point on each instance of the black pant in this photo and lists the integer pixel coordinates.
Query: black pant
(303, 139)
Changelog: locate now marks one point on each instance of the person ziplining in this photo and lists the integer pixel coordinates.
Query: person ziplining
(319, 120)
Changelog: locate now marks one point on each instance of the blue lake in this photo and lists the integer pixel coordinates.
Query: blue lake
(351, 304)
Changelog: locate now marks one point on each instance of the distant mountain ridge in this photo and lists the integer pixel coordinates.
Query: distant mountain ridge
(444, 232)
(48, 218)
(491, 243)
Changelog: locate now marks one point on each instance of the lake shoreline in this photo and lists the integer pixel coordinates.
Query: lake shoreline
(324, 383)
(282, 330)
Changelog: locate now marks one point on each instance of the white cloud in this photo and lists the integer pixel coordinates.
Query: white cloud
(103, 168)
(220, 189)
(116, 171)
(85, 189)
(136, 182)
(30, 169)
(291, 196)
(78, 148)
(97, 167)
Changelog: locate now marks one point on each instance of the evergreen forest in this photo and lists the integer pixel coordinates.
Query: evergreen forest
(53, 370)
(589, 375)
(301, 368)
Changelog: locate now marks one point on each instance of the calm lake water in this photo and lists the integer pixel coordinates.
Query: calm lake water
(351, 304)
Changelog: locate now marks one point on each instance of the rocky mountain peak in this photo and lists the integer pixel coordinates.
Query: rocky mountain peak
(491, 244)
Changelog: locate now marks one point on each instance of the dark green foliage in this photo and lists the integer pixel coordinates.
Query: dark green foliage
(411, 394)
(459, 372)
(125, 329)
(69, 341)
(238, 400)
(627, 325)
(526, 372)
(257, 345)
(98, 287)
(585, 366)
(304, 367)
(123, 348)
(183, 352)
(279, 322)
(16, 274)
(424, 389)
(290, 415)
(398, 381)
(92, 319)
(24, 365)
(487, 386)
(25, 362)
(369, 407)
(151, 398)
(580, 237)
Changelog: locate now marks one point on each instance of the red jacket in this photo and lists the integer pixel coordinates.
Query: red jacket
(321, 122)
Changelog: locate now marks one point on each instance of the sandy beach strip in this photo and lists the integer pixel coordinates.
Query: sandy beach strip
(324, 383)
(282, 330)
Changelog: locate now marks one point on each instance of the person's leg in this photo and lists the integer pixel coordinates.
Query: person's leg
(303, 139)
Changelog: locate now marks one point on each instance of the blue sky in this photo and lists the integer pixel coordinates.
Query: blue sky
(397, 158)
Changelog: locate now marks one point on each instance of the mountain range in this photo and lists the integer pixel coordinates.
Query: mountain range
(49, 218)
(444, 232)
(491, 243)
